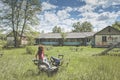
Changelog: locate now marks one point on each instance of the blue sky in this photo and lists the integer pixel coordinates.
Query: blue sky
(63, 13)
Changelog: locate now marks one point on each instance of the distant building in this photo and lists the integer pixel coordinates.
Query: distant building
(106, 37)
(70, 39)
(10, 39)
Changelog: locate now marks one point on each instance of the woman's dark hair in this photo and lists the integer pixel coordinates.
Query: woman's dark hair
(40, 49)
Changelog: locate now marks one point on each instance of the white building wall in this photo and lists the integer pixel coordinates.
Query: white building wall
(111, 39)
(24, 42)
(10, 41)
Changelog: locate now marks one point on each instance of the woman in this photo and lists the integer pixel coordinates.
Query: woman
(40, 53)
(40, 56)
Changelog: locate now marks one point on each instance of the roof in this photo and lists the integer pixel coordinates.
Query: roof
(108, 31)
(50, 35)
(68, 35)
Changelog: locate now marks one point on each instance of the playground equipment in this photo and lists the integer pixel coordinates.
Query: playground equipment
(49, 66)
(109, 49)
(105, 52)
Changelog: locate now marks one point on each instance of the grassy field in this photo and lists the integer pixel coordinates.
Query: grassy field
(15, 64)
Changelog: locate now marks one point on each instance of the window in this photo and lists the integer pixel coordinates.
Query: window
(104, 39)
(88, 39)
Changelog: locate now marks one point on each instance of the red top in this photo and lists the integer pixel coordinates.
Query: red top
(41, 52)
(41, 55)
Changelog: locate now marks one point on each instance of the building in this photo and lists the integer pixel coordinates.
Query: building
(106, 37)
(67, 39)
(10, 39)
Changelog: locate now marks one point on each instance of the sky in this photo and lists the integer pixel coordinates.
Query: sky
(63, 13)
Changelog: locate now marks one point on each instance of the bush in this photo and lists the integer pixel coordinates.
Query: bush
(2, 43)
(30, 50)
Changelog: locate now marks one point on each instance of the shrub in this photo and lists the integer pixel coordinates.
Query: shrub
(2, 43)
(30, 50)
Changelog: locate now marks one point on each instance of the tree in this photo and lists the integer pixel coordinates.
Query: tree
(77, 27)
(31, 35)
(82, 27)
(63, 35)
(2, 39)
(2, 34)
(116, 25)
(57, 29)
(20, 14)
(87, 27)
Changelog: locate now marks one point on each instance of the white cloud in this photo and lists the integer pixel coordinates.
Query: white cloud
(1, 5)
(103, 16)
(109, 3)
(63, 14)
(69, 22)
(60, 18)
(50, 18)
(96, 2)
(91, 2)
(103, 3)
(99, 20)
(68, 9)
(63, 17)
(107, 15)
(86, 8)
(113, 2)
(100, 10)
(89, 15)
(47, 6)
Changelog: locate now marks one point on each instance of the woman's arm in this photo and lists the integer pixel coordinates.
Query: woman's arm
(36, 56)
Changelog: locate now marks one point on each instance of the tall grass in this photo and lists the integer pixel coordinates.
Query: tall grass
(15, 64)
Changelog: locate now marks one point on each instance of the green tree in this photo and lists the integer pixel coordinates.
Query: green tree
(82, 27)
(77, 27)
(63, 35)
(31, 35)
(2, 39)
(20, 14)
(57, 29)
(87, 27)
(2, 36)
(116, 25)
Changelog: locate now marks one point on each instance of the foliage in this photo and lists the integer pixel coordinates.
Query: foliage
(2, 43)
(57, 29)
(2, 36)
(19, 14)
(30, 50)
(63, 35)
(82, 27)
(116, 25)
(31, 35)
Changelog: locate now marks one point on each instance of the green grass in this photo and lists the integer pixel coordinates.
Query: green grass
(15, 64)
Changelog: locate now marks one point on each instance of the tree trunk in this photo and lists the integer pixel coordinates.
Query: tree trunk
(24, 24)
(13, 26)
(18, 21)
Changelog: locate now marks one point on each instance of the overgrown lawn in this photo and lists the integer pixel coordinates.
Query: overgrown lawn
(15, 64)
